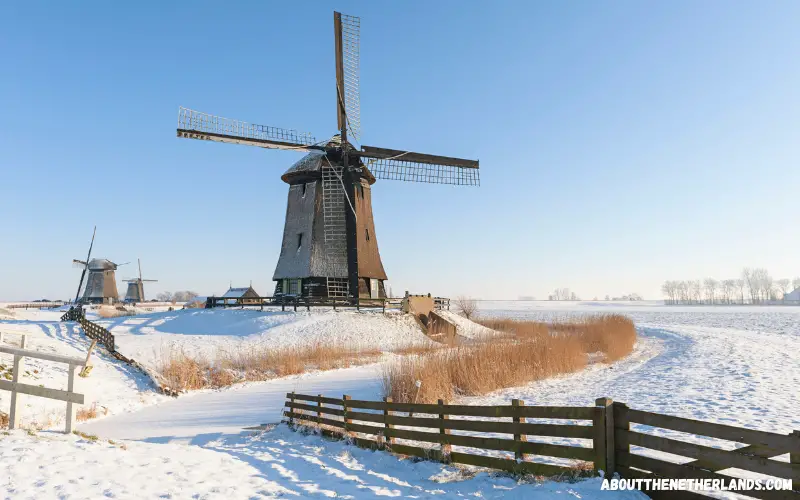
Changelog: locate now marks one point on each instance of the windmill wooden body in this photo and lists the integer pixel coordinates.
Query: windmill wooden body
(329, 246)
(101, 283)
(135, 292)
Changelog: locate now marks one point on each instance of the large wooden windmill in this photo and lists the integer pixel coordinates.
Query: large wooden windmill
(329, 244)
(101, 284)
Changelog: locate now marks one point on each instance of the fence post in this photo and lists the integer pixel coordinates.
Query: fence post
(794, 458)
(446, 448)
(345, 399)
(519, 437)
(16, 407)
(24, 342)
(70, 405)
(319, 412)
(1, 337)
(604, 436)
(291, 410)
(386, 414)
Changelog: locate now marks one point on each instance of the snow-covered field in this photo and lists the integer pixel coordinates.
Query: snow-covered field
(148, 338)
(733, 365)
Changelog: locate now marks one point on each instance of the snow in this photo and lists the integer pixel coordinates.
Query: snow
(203, 332)
(733, 365)
(275, 463)
(112, 386)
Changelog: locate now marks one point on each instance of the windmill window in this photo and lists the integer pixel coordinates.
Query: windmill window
(366, 231)
(299, 240)
(304, 189)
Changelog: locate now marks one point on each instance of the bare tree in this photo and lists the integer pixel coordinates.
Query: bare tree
(466, 306)
(796, 283)
(783, 285)
(711, 286)
(697, 290)
(750, 281)
(164, 297)
(728, 289)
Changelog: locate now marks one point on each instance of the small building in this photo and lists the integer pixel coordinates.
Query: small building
(793, 296)
(240, 296)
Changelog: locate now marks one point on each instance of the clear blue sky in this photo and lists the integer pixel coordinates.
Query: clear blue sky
(621, 143)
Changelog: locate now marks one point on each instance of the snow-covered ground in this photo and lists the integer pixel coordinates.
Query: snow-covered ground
(112, 386)
(148, 338)
(278, 463)
(734, 365)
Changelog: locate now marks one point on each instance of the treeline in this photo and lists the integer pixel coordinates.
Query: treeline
(754, 286)
(181, 296)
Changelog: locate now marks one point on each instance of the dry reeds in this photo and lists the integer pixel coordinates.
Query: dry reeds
(184, 372)
(521, 352)
(86, 413)
(113, 312)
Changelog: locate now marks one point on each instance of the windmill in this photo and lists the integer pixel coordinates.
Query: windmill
(329, 245)
(135, 291)
(101, 285)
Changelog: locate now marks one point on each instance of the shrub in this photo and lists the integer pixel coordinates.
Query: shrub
(466, 306)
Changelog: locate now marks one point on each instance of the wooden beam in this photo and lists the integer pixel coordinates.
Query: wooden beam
(43, 392)
(384, 153)
(42, 355)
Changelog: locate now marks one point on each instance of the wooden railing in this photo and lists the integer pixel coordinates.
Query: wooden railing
(97, 332)
(390, 417)
(17, 388)
(34, 305)
(614, 446)
(707, 462)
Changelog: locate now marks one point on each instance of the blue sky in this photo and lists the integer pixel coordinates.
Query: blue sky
(621, 143)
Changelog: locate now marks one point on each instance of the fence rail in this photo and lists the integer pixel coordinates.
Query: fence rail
(17, 388)
(347, 417)
(34, 305)
(614, 446)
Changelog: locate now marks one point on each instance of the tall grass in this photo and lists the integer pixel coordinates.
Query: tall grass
(184, 372)
(521, 352)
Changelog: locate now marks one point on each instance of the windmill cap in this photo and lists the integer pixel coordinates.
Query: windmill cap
(309, 167)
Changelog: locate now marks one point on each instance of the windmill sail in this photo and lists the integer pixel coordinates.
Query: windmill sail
(348, 41)
(408, 166)
(196, 125)
(85, 266)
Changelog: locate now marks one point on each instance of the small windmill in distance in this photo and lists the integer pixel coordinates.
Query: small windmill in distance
(135, 291)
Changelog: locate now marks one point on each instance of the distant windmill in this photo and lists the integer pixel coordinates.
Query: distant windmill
(135, 291)
(329, 243)
(101, 285)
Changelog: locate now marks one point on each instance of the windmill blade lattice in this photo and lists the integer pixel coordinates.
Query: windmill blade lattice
(351, 61)
(196, 125)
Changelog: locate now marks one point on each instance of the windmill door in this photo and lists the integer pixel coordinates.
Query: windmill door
(373, 288)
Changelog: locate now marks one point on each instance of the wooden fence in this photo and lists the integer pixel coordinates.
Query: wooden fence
(606, 426)
(98, 333)
(17, 388)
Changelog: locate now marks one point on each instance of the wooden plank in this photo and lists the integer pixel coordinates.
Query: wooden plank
(720, 459)
(365, 417)
(416, 451)
(16, 404)
(316, 399)
(314, 408)
(313, 419)
(781, 443)
(551, 430)
(386, 414)
(599, 439)
(70, 406)
(509, 465)
(555, 412)
(677, 471)
(41, 355)
(42, 392)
